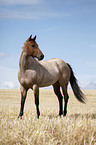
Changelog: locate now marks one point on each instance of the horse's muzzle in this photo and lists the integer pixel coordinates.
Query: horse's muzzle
(41, 57)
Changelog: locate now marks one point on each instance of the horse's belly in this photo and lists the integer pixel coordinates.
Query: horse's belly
(49, 79)
(50, 74)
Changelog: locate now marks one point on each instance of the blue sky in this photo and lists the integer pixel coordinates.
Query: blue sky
(65, 29)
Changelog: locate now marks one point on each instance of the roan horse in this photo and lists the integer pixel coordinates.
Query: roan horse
(34, 74)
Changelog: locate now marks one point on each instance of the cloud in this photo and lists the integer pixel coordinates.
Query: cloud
(8, 85)
(31, 13)
(19, 9)
(17, 14)
(2, 54)
(8, 78)
(90, 64)
(35, 9)
(93, 46)
(18, 2)
(91, 86)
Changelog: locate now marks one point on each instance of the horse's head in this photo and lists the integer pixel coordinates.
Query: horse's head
(32, 48)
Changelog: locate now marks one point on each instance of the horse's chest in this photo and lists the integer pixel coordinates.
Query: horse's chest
(27, 79)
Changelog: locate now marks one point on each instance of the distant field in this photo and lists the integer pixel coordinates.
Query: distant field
(77, 128)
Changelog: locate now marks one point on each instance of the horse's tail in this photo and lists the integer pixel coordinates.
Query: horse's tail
(75, 87)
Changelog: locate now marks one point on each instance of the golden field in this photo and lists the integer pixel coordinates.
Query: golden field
(77, 128)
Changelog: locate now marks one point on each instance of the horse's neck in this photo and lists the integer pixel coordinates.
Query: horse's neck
(24, 62)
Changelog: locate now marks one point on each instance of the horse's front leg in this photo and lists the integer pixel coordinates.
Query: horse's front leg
(36, 95)
(23, 98)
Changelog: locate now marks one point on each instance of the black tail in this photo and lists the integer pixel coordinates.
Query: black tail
(75, 87)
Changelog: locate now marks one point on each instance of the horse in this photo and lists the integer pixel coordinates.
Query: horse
(34, 74)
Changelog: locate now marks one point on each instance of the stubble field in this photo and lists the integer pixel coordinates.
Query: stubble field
(77, 128)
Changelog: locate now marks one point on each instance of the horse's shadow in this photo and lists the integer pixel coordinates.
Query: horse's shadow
(87, 115)
(75, 116)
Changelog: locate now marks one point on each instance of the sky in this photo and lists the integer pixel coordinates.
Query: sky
(65, 29)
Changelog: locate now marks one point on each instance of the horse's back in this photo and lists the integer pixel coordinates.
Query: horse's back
(54, 62)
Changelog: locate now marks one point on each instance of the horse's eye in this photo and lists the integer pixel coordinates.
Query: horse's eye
(33, 45)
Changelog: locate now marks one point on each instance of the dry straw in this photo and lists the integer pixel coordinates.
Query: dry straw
(78, 128)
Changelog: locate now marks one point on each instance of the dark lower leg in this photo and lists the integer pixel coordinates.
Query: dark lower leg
(22, 105)
(37, 107)
(56, 87)
(65, 106)
(36, 95)
(60, 106)
(23, 98)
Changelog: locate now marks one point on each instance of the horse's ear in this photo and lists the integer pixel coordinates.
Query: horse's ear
(34, 38)
(29, 39)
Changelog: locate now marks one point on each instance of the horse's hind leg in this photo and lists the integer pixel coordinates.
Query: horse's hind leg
(23, 98)
(56, 87)
(66, 97)
(36, 95)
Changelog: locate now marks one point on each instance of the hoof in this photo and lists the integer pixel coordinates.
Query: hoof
(59, 115)
(37, 117)
(20, 117)
(38, 114)
(64, 114)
